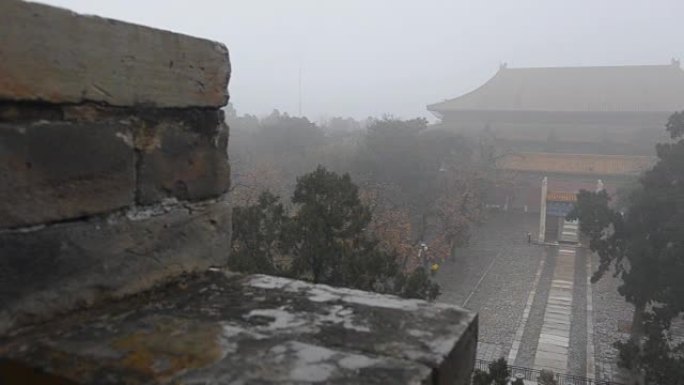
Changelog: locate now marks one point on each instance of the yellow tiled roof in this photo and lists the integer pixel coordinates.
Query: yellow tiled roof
(584, 164)
(561, 196)
(614, 88)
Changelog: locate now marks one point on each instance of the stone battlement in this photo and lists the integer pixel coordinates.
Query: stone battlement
(115, 228)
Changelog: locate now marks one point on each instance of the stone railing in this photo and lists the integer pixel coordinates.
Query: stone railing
(532, 375)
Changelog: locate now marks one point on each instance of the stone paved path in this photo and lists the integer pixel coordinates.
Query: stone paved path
(591, 363)
(611, 316)
(493, 277)
(554, 339)
(513, 354)
(536, 305)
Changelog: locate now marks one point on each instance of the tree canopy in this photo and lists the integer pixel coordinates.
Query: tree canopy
(421, 184)
(329, 226)
(259, 236)
(429, 176)
(325, 239)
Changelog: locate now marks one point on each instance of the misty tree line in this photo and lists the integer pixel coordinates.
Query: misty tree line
(410, 196)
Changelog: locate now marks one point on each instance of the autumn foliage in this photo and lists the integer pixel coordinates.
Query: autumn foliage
(421, 187)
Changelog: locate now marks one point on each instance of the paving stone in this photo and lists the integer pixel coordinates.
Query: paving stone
(552, 348)
(552, 339)
(548, 355)
(504, 290)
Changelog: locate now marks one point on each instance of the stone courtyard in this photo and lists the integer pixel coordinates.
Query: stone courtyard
(536, 306)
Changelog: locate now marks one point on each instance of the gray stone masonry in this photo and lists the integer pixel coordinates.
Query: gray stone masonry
(220, 328)
(93, 160)
(114, 165)
(52, 55)
(78, 263)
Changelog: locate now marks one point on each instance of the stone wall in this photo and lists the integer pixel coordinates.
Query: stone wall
(114, 177)
(113, 159)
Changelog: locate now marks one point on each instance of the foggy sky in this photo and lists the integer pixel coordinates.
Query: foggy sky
(365, 58)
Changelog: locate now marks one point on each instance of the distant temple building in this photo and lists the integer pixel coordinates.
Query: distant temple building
(607, 110)
(574, 125)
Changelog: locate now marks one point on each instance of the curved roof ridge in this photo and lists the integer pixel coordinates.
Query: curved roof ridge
(483, 85)
(633, 66)
(598, 88)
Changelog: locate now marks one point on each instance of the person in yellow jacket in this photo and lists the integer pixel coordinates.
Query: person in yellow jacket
(434, 268)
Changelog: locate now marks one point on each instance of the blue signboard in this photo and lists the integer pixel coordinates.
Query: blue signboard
(559, 209)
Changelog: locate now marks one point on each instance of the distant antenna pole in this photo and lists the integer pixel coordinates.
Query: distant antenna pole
(300, 90)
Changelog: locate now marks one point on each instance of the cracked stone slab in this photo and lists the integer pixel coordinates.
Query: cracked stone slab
(218, 327)
(52, 269)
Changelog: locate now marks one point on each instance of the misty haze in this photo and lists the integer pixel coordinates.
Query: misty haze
(343, 192)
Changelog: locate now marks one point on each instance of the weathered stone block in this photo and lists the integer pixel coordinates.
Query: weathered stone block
(57, 171)
(218, 327)
(55, 268)
(183, 161)
(53, 55)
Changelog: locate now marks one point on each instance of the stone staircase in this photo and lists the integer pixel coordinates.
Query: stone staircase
(569, 232)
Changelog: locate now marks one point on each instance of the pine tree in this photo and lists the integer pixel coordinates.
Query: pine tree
(328, 227)
(326, 240)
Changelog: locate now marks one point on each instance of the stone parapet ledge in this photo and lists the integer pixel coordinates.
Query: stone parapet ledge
(222, 328)
(52, 55)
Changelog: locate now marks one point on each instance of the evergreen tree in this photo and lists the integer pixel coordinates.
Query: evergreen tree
(497, 373)
(546, 377)
(416, 284)
(326, 240)
(258, 238)
(328, 226)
